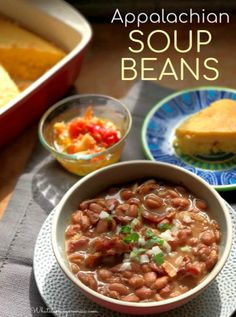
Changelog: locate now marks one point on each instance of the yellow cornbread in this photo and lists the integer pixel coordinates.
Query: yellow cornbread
(8, 89)
(25, 55)
(212, 130)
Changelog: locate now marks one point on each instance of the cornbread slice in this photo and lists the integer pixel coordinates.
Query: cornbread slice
(212, 130)
(25, 55)
(8, 89)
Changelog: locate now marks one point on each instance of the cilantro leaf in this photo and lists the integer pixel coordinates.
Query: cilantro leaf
(125, 229)
(135, 252)
(109, 218)
(159, 258)
(132, 237)
(149, 233)
(164, 226)
(155, 240)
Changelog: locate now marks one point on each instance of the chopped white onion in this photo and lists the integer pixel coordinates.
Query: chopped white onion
(141, 241)
(125, 266)
(172, 254)
(187, 219)
(176, 225)
(134, 222)
(179, 260)
(186, 248)
(118, 229)
(103, 214)
(144, 259)
(156, 250)
(166, 235)
(166, 246)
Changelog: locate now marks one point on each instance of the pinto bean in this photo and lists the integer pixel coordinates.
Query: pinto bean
(126, 194)
(88, 280)
(116, 279)
(93, 216)
(96, 207)
(193, 241)
(132, 211)
(74, 268)
(202, 251)
(150, 278)
(151, 216)
(158, 269)
(102, 226)
(146, 268)
(136, 268)
(160, 282)
(136, 282)
(113, 294)
(76, 258)
(147, 187)
(184, 235)
(76, 216)
(144, 292)
(153, 202)
(104, 274)
(92, 260)
(208, 237)
(130, 298)
(194, 269)
(165, 291)
(118, 287)
(212, 259)
(180, 202)
(84, 205)
(158, 297)
(201, 204)
(85, 222)
(127, 274)
(79, 244)
(133, 201)
(172, 193)
(72, 230)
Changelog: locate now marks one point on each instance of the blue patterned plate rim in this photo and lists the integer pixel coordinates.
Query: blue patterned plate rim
(162, 102)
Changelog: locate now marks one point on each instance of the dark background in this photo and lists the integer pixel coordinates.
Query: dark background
(102, 10)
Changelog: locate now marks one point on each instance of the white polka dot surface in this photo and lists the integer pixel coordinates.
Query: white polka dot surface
(63, 298)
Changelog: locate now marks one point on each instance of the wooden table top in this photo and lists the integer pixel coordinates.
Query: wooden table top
(101, 74)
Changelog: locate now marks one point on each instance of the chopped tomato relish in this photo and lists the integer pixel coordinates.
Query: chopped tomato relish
(87, 134)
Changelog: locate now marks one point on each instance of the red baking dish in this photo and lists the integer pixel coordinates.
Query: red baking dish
(59, 23)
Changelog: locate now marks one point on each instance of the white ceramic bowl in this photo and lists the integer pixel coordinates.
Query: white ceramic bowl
(92, 184)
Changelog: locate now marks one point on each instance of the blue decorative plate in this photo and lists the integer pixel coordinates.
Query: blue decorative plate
(159, 129)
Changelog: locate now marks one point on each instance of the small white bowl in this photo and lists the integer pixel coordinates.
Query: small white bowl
(92, 184)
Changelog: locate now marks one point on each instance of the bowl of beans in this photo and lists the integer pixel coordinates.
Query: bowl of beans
(141, 237)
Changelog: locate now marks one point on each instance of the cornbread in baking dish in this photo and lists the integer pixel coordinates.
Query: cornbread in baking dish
(25, 55)
(8, 89)
(210, 131)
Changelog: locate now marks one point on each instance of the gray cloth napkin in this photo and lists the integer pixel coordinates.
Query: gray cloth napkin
(37, 192)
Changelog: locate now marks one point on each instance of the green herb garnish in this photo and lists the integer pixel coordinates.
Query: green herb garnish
(155, 240)
(132, 237)
(137, 252)
(159, 258)
(109, 218)
(125, 229)
(164, 226)
(149, 233)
